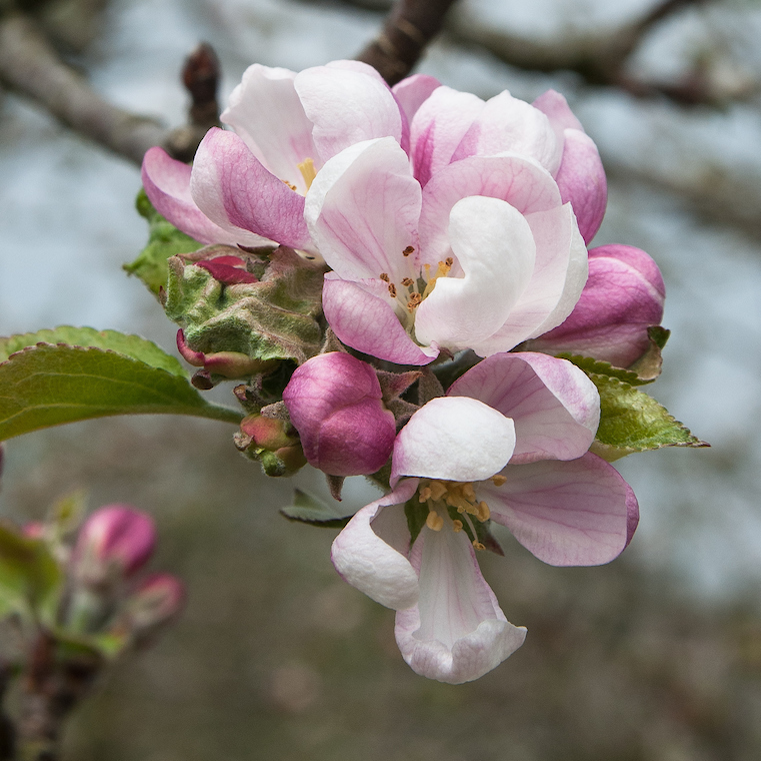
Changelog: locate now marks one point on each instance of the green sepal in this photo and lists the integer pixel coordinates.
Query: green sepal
(648, 366)
(308, 509)
(50, 384)
(593, 366)
(416, 515)
(631, 421)
(164, 240)
(30, 577)
(107, 645)
(275, 318)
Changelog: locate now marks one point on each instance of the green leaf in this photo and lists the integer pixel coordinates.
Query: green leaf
(48, 385)
(122, 343)
(164, 240)
(309, 509)
(632, 421)
(597, 367)
(30, 578)
(648, 366)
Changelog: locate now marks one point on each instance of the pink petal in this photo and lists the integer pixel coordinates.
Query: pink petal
(457, 632)
(453, 439)
(507, 124)
(347, 102)
(233, 189)
(566, 513)
(265, 111)
(556, 107)
(581, 179)
(496, 252)
(167, 184)
(521, 182)
(624, 295)
(362, 316)
(438, 127)
(555, 407)
(366, 561)
(362, 211)
(412, 92)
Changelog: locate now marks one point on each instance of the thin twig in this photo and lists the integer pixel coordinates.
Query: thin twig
(409, 27)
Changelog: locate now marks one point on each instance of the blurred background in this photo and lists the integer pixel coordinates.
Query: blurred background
(655, 657)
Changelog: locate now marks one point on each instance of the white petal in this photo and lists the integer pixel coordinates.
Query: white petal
(453, 439)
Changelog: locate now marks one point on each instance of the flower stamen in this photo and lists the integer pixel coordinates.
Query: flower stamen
(308, 172)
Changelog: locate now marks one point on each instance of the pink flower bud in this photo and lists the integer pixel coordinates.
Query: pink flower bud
(154, 601)
(34, 530)
(623, 297)
(115, 539)
(335, 402)
(229, 364)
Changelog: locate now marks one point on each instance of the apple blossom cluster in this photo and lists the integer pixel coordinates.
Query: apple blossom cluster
(392, 274)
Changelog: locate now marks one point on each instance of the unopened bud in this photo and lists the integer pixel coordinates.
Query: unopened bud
(228, 364)
(272, 442)
(115, 541)
(154, 601)
(335, 403)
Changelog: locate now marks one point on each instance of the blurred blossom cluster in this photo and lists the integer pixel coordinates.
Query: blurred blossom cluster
(400, 280)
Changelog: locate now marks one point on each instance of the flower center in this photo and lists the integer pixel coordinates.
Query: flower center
(308, 172)
(445, 497)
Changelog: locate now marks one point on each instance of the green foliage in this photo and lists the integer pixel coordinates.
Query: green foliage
(30, 578)
(309, 509)
(632, 421)
(164, 240)
(597, 367)
(48, 384)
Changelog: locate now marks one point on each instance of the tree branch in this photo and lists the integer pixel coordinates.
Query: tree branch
(408, 29)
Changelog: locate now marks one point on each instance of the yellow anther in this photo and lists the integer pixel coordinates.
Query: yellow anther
(425, 494)
(478, 546)
(438, 490)
(306, 167)
(441, 271)
(408, 282)
(457, 526)
(498, 480)
(468, 492)
(482, 512)
(291, 186)
(434, 521)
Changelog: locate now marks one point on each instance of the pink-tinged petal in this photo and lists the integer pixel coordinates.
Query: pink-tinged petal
(453, 439)
(362, 316)
(368, 562)
(233, 189)
(335, 402)
(556, 107)
(167, 184)
(521, 182)
(229, 270)
(457, 632)
(266, 112)
(507, 124)
(624, 295)
(554, 405)
(412, 92)
(581, 179)
(496, 252)
(565, 513)
(362, 212)
(347, 104)
(559, 276)
(438, 127)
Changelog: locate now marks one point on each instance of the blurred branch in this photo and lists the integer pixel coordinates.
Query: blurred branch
(30, 65)
(408, 29)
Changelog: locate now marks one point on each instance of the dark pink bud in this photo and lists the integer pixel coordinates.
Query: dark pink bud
(114, 540)
(34, 530)
(623, 297)
(335, 403)
(154, 601)
(228, 270)
(229, 364)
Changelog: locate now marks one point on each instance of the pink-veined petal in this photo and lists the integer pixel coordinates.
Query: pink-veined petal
(368, 562)
(457, 632)
(266, 112)
(362, 212)
(554, 405)
(520, 181)
(438, 128)
(577, 512)
(508, 124)
(167, 184)
(556, 107)
(412, 92)
(453, 439)
(348, 102)
(232, 188)
(582, 182)
(362, 316)
(496, 252)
